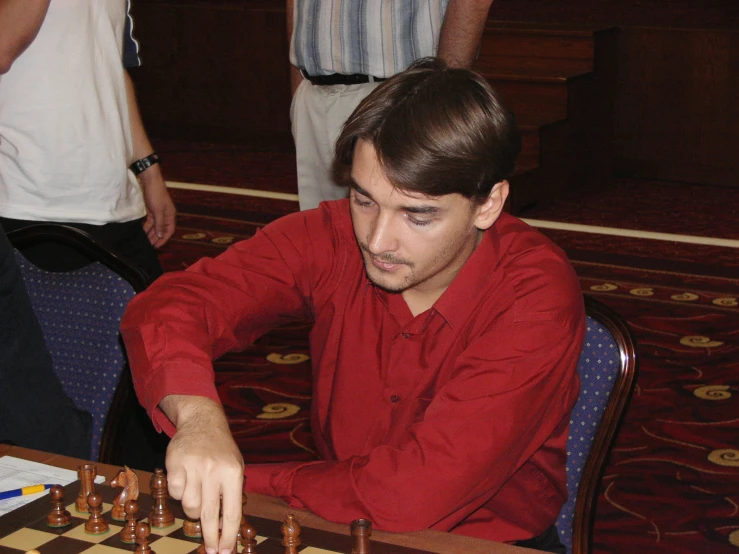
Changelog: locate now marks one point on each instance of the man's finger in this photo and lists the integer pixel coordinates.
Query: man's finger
(176, 482)
(231, 510)
(148, 223)
(209, 516)
(191, 498)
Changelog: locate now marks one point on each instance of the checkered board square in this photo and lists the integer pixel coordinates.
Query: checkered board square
(26, 529)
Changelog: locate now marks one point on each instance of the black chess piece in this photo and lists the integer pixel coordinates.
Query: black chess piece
(143, 530)
(128, 533)
(248, 538)
(192, 528)
(361, 530)
(96, 524)
(86, 474)
(59, 516)
(291, 534)
(160, 514)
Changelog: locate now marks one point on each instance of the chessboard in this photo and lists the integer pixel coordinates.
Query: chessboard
(26, 529)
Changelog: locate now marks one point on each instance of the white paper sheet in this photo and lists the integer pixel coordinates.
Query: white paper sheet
(16, 473)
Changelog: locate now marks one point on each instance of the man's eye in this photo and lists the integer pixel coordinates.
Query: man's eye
(419, 222)
(362, 203)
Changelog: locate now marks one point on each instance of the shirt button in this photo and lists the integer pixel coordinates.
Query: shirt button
(394, 398)
(406, 335)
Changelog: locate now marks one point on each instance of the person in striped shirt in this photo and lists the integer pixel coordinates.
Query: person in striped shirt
(341, 49)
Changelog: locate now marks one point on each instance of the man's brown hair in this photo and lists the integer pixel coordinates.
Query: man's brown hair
(436, 131)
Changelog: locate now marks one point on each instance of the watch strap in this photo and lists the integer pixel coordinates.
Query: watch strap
(139, 166)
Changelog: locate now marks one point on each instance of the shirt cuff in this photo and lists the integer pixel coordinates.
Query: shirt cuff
(187, 381)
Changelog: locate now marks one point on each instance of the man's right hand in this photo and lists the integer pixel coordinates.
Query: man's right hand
(205, 469)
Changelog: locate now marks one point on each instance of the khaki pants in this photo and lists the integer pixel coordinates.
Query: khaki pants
(318, 113)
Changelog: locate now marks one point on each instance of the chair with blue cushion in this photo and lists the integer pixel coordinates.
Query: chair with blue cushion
(607, 369)
(80, 313)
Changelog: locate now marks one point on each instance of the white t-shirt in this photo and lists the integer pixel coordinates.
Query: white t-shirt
(65, 134)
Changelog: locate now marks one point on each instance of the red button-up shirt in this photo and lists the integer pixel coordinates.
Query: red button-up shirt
(455, 419)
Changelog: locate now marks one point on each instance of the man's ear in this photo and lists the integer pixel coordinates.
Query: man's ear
(489, 211)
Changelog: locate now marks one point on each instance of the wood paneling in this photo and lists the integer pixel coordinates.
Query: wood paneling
(677, 105)
(214, 71)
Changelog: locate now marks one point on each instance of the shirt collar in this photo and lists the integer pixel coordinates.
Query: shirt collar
(464, 291)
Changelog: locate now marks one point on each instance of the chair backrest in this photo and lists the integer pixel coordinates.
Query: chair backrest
(80, 313)
(607, 369)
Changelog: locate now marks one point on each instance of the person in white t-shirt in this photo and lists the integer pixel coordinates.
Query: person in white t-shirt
(72, 142)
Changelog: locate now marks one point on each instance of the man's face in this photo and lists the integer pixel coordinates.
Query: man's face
(410, 242)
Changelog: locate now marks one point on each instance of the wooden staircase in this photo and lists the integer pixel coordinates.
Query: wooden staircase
(551, 77)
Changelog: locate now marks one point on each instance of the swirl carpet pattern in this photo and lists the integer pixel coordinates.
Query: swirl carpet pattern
(672, 483)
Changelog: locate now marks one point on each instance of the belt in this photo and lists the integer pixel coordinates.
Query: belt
(341, 79)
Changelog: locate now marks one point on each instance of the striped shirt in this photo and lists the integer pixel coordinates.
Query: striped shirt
(371, 37)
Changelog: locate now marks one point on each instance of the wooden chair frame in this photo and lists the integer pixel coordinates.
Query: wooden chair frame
(82, 242)
(584, 517)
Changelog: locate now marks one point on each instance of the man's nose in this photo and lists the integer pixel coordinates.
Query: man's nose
(382, 235)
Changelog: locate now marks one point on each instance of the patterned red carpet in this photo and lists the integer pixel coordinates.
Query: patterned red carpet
(672, 485)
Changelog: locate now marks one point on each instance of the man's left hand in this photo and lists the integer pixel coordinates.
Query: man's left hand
(160, 210)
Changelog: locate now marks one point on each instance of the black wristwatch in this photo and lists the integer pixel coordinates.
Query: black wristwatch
(139, 166)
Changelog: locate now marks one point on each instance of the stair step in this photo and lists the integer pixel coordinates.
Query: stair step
(521, 68)
(533, 101)
(531, 40)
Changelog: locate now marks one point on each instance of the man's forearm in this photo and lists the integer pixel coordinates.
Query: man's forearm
(141, 144)
(461, 31)
(180, 409)
(20, 21)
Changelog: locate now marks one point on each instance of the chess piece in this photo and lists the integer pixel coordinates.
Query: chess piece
(248, 538)
(86, 474)
(291, 534)
(361, 531)
(128, 533)
(243, 517)
(143, 530)
(59, 516)
(129, 482)
(160, 515)
(96, 524)
(192, 528)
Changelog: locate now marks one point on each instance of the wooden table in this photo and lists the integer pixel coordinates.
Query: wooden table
(275, 509)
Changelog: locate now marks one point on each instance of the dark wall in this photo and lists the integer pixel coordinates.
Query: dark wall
(676, 105)
(214, 70)
(695, 14)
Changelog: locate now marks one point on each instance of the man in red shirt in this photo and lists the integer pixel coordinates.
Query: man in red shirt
(445, 341)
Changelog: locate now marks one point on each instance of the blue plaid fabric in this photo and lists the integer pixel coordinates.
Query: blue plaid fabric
(80, 313)
(598, 368)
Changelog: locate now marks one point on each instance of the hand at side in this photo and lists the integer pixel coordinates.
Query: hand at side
(205, 470)
(160, 210)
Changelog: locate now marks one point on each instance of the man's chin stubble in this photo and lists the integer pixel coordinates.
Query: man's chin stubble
(383, 287)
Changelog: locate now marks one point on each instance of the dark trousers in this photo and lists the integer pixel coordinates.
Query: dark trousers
(34, 410)
(126, 239)
(548, 541)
